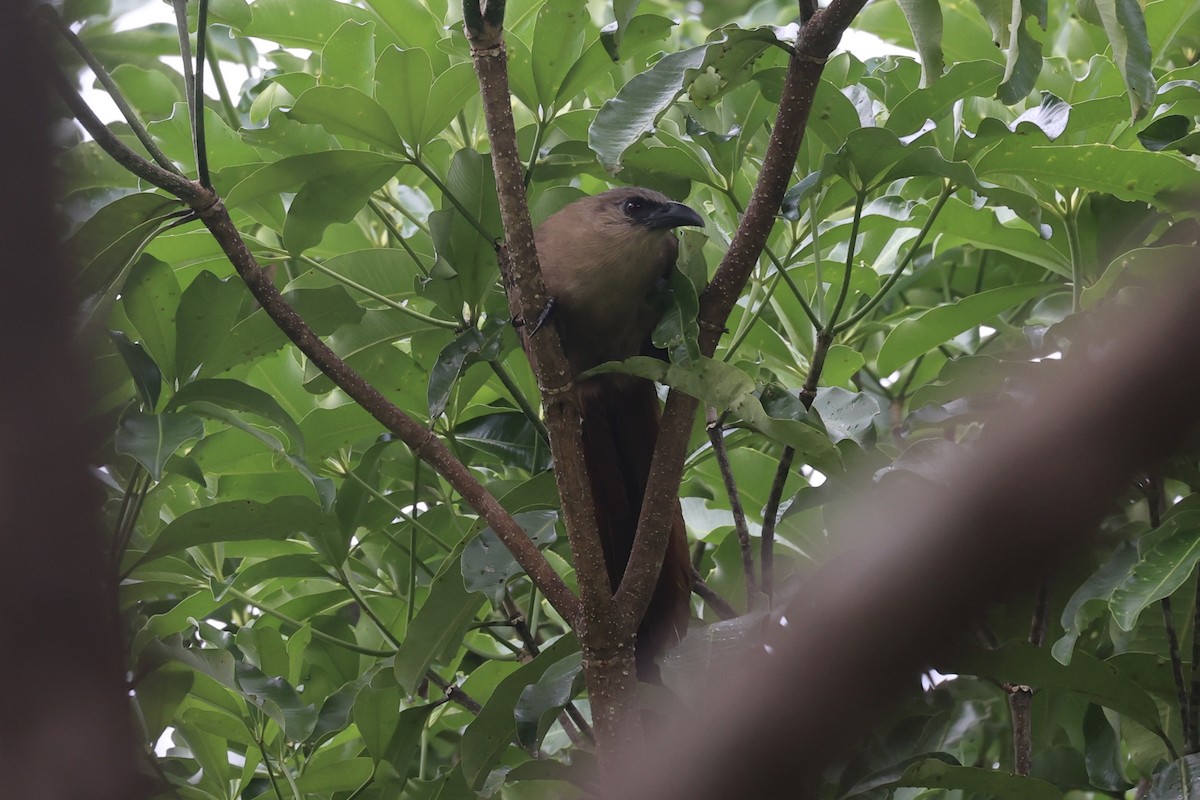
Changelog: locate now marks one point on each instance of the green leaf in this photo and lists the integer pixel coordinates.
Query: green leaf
(1095, 591)
(403, 79)
(159, 696)
(925, 19)
(1138, 265)
(541, 702)
(1168, 781)
(108, 243)
(920, 334)
(325, 310)
(846, 415)
(557, 44)
(278, 699)
(960, 224)
(150, 92)
(412, 22)
(389, 736)
(147, 377)
(871, 157)
(1125, 27)
(636, 109)
(151, 299)
(459, 245)
(1086, 676)
(240, 521)
(507, 435)
(728, 388)
(962, 80)
(1165, 180)
(491, 732)
(238, 396)
(345, 110)
(324, 201)
(151, 439)
(339, 776)
(934, 773)
(1161, 570)
(291, 174)
(453, 89)
(348, 58)
(438, 627)
(208, 309)
(301, 23)
(623, 10)
(469, 347)
(487, 565)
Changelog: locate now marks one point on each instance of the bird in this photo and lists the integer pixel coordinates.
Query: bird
(603, 259)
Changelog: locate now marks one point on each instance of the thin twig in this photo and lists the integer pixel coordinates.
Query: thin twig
(114, 92)
(771, 518)
(198, 105)
(1152, 489)
(716, 435)
(718, 604)
(1194, 695)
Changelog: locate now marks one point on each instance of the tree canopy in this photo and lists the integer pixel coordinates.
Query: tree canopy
(313, 611)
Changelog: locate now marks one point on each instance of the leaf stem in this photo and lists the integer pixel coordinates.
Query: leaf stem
(398, 235)
(717, 438)
(446, 193)
(114, 92)
(857, 316)
(830, 323)
(317, 634)
(519, 398)
(1071, 220)
(445, 324)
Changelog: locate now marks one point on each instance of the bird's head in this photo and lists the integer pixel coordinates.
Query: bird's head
(642, 210)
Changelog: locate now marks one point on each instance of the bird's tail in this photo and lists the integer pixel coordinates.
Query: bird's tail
(620, 429)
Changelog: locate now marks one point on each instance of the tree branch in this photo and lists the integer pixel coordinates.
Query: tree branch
(605, 634)
(209, 208)
(816, 41)
(716, 435)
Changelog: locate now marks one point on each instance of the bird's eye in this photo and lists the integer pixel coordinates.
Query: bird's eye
(634, 206)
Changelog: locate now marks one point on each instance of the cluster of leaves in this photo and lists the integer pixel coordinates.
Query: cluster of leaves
(296, 587)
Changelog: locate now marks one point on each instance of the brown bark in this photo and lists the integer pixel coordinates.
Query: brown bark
(65, 724)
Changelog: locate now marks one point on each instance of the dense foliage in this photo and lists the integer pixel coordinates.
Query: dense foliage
(298, 590)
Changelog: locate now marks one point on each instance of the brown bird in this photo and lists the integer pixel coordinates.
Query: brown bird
(602, 258)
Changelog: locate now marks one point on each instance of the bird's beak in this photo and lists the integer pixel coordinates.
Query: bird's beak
(674, 215)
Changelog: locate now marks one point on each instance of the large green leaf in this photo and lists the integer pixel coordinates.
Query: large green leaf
(439, 625)
(925, 20)
(324, 310)
(728, 388)
(1165, 180)
(1161, 570)
(151, 439)
(239, 521)
(348, 58)
(1095, 592)
(486, 563)
(1125, 27)
(1086, 676)
(635, 110)
(107, 244)
(486, 739)
(917, 335)
(301, 23)
(557, 44)
(151, 299)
